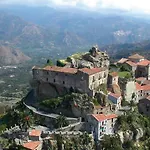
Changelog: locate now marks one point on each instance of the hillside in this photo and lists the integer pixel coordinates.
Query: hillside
(9, 55)
(118, 51)
(21, 33)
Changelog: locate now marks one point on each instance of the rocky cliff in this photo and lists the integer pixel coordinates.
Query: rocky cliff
(94, 58)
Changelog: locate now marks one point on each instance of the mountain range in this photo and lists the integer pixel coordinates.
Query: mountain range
(60, 30)
(47, 27)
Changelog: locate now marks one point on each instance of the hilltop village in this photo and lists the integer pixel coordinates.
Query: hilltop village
(89, 94)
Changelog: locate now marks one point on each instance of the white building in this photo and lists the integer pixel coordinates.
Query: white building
(35, 135)
(101, 124)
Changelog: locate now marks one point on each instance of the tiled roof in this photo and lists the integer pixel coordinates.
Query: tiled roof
(143, 63)
(146, 87)
(73, 70)
(102, 117)
(115, 95)
(61, 69)
(114, 74)
(143, 88)
(138, 86)
(136, 56)
(91, 71)
(122, 60)
(131, 63)
(35, 133)
(32, 145)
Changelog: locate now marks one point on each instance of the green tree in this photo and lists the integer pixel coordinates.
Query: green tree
(111, 143)
(61, 121)
(49, 62)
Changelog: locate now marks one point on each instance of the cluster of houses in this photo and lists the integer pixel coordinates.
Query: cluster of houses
(87, 80)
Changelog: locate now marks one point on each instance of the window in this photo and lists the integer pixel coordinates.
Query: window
(93, 79)
(46, 79)
(47, 73)
(63, 82)
(54, 80)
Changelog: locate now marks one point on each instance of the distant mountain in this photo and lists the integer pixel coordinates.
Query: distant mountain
(15, 30)
(9, 55)
(72, 27)
(49, 28)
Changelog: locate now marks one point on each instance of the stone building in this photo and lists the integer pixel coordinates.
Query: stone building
(101, 124)
(143, 69)
(144, 106)
(112, 79)
(135, 58)
(115, 99)
(139, 66)
(142, 91)
(82, 80)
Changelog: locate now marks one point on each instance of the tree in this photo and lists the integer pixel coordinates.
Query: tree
(49, 62)
(61, 121)
(111, 143)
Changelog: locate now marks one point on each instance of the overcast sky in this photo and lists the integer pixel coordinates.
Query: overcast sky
(142, 6)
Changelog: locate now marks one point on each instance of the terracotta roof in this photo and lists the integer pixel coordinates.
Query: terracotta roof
(32, 145)
(102, 117)
(136, 56)
(143, 88)
(115, 95)
(114, 74)
(146, 87)
(143, 63)
(35, 133)
(91, 71)
(122, 60)
(131, 63)
(61, 69)
(138, 86)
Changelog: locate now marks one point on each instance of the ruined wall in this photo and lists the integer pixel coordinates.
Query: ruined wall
(130, 88)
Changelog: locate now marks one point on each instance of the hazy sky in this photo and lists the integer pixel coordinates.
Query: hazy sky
(129, 5)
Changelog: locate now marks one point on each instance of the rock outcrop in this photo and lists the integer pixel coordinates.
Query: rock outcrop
(81, 105)
(94, 58)
(130, 135)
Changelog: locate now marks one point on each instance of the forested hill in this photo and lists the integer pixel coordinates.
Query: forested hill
(118, 51)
